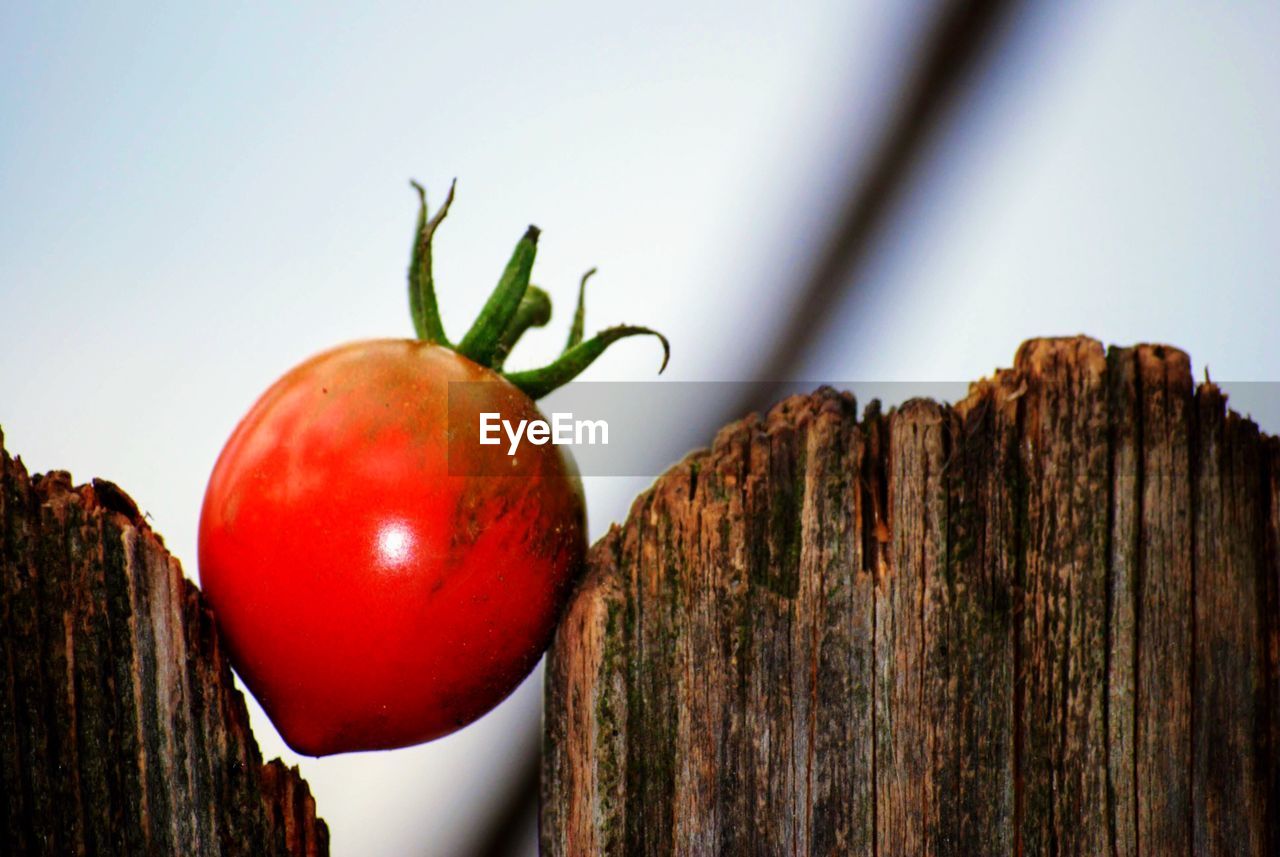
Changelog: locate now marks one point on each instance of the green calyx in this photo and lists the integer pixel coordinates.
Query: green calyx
(513, 308)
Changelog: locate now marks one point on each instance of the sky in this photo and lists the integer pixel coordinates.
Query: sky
(195, 199)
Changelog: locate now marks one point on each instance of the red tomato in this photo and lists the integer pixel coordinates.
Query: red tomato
(369, 598)
(375, 585)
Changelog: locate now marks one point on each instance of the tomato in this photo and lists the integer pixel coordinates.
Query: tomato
(376, 586)
(369, 598)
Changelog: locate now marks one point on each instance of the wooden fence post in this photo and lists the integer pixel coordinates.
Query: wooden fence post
(120, 729)
(1044, 620)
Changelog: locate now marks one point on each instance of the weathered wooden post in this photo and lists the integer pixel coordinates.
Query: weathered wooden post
(1044, 620)
(120, 729)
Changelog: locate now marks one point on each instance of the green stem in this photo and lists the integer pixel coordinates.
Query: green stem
(481, 340)
(513, 308)
(534, 311)
(422, 288)
(579, 314)
(537, 383)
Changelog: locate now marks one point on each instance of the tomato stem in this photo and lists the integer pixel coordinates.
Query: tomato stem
(534, 311)
(513, 308)
(579, 314)
(537, 383)
(422, 288)
(500, 309)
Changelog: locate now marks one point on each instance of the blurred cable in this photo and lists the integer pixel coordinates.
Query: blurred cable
(963, 35)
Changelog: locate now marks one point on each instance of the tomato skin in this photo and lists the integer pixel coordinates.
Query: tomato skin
(369, 598)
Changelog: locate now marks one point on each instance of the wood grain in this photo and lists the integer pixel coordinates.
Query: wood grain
(1041, 621)
(121, 731)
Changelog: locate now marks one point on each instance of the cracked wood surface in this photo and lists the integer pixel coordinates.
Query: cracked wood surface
(120, 729)
(1045, 620)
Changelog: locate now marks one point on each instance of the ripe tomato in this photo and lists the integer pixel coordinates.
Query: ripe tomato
(374, 586)
(369, 598)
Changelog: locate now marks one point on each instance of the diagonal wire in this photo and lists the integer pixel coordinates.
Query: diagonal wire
(964, 34)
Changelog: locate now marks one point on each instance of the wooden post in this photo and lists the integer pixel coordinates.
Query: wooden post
(120, 729)
(1044, 620)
